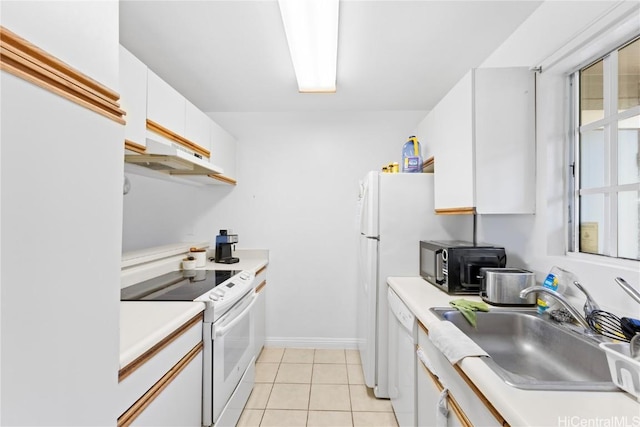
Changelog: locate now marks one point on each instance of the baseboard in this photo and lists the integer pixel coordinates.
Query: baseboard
(315, 342)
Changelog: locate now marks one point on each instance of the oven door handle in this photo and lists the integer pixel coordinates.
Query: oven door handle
(223, 329)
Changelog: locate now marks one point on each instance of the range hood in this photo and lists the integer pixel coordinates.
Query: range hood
(172, 159)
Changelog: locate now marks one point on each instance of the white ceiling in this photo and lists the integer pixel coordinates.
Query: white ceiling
(232, 56)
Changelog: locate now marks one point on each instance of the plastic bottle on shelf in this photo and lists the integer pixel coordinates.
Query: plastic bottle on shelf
(557, 280)
(411, 156)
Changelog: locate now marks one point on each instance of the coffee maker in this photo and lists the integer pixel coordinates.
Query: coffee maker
(224, 243)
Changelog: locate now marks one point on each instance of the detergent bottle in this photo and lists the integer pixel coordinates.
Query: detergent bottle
(411, 156)
(557, 280)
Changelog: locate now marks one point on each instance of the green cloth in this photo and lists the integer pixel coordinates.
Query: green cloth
(469, 308)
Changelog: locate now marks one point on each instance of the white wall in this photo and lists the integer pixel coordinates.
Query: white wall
(157, 212)
(539, 241)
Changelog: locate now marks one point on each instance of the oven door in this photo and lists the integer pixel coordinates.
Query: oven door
(232, 351)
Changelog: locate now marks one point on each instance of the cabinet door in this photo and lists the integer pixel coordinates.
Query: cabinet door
(505, 140)
(197, 126)
(223, 150)
(428, 388)
(72, 381)
(133, 96)
(260, 315)
(260, 310)
(454, 150)
(180, 403)
(165, 105)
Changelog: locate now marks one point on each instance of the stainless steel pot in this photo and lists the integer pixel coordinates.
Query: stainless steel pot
(502, 286)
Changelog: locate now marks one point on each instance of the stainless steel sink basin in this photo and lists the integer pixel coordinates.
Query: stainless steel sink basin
(531, 352)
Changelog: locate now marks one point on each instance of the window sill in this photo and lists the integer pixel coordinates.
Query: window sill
(601, 260)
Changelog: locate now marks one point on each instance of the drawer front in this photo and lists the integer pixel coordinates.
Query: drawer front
(179, 403)
(471, 404)
(150, 369)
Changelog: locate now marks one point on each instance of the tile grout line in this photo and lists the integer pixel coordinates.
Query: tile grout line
(349, 385)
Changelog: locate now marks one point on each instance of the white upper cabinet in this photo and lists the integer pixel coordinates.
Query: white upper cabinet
(133, 96)
(146, 97)
(483, 137)
(197, 126)
(165, 105)
(223, 152)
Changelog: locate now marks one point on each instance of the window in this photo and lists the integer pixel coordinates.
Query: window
(605, 159)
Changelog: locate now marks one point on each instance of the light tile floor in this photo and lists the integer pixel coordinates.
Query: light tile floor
(307, 387)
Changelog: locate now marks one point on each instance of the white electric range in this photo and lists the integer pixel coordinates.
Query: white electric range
(228, 333)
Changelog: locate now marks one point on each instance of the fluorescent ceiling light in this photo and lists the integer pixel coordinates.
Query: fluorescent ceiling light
(311, 27)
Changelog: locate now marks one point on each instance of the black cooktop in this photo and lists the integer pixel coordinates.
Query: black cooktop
(184, 285)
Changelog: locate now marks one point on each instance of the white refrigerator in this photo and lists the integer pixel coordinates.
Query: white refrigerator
(396, 212)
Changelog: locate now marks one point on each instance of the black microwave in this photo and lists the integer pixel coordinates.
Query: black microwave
(454, 265)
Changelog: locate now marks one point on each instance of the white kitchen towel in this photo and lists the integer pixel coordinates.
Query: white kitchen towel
(442, 409)
(422, 356)
(452, 342)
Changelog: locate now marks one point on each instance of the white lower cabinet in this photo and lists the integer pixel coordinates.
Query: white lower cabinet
(428, 394)
(402, 360)
(260, 310)
(465, 406)
(431, 401)
(163, 387)
(180, 403)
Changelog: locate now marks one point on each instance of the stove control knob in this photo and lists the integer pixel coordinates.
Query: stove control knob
(244, 275)
(213, 297)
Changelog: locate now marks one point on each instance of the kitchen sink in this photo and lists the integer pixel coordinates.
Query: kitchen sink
(530, 351)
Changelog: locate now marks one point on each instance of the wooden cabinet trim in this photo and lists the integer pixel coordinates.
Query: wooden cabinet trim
(141, 404)
(28, 62)
(429, 165)
(455, 407)
(224, 179)
(132, 146)
(261, 286)
(456, 211)
(261, 269)
(147, 355)
(424, 328)
(472, 386)
(169, 134)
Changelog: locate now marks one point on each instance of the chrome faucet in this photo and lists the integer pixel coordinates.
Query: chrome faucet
(575, 313)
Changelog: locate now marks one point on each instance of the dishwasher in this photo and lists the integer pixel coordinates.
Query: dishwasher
(402, 361)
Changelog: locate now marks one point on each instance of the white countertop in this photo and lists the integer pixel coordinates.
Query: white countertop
(517, 406)
(143, 324)
(145, 264)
